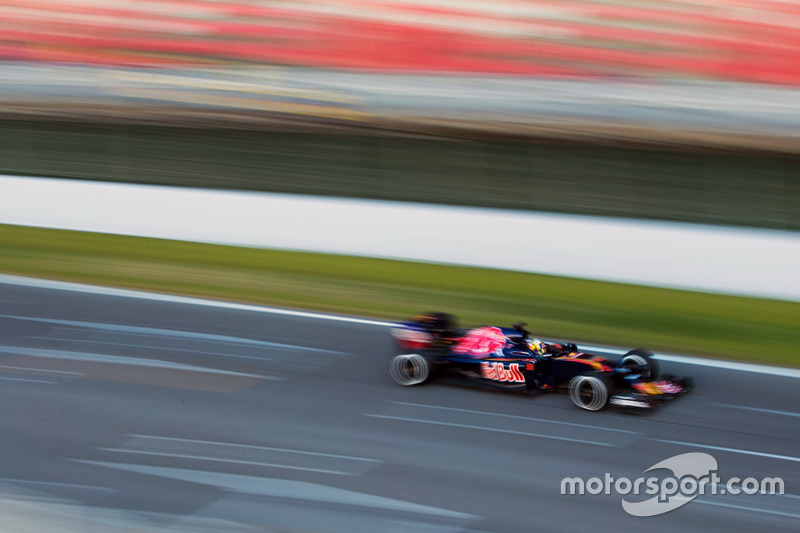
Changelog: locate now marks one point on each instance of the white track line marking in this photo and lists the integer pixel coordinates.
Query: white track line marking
(42, 370)
(126, 293)
(759, 410)
(153, 332)
(29, 380)
(149, 347)
(282, 488)
(253, 447)
(122, 360)
(494, 430)
(244, 454)
(55, 484)
(495, 415)
(748, 509)
(732, 450)
(61, 285)
(711, 363)
(231, 461)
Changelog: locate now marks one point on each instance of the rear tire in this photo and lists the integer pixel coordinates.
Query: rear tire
(590, 392)
(640, 362)
(410, 369)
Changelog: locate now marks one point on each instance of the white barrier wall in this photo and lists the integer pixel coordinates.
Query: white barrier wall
(742, 261)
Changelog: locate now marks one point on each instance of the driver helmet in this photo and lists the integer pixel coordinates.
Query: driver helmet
(537, 346)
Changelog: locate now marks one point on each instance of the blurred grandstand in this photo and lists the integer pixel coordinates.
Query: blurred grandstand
(675, 109)
(714, 72)
(738, 40)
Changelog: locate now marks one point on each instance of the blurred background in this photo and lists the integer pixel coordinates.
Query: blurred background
(667, 109)
(678, 110)
(736, 40)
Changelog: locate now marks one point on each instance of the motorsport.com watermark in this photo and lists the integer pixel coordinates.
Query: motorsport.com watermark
(694, 474)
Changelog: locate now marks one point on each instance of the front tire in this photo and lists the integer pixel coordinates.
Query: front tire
(640, 362)
(590, 392)
(410, 369)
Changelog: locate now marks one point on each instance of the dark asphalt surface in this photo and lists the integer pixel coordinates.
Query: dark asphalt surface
(125, 413)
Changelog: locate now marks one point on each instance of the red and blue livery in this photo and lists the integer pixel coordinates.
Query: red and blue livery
(432, 346)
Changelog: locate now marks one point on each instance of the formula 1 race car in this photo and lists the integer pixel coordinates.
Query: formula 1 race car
(431, 345)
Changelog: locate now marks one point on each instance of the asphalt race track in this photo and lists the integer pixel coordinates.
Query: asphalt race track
(132, 413)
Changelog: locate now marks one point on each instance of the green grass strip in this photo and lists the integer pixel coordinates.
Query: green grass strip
(730, 327)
